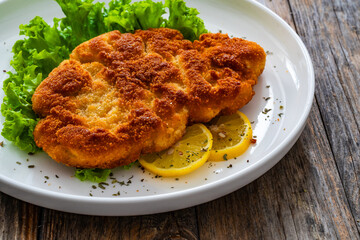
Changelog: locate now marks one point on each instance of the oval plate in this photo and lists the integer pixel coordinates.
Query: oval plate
(286, 87)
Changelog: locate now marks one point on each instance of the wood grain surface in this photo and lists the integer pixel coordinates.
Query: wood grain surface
(312, 193)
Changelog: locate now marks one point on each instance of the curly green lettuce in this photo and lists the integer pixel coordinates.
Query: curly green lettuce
(44, 47)
(92, 174)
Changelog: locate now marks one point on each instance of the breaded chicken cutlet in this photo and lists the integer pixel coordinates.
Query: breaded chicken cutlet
(121, 95)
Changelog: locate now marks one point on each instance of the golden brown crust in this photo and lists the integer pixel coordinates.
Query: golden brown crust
(121, 95)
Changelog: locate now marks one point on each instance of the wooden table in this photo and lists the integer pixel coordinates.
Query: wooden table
(312, 193)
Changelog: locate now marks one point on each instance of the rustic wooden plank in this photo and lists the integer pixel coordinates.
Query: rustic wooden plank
(59, 225)
(178, 225)
(281, 8)
(18, 220)
(330, 29)
(174, 225)
(300, 198)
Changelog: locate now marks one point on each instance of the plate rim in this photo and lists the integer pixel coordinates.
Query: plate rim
(17, 189)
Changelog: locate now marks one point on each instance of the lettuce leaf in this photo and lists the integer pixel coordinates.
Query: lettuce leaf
(96, 174)
(184, 19)
(92, 174)
(84, 20)
(34, 58)
(44, 47)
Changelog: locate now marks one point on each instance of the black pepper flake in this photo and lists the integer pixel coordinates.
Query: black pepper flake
(31, 166)
(267, 86)
(4, 70)
(266, 98)
(269, 53)
(177, 179)
(30, 153)
(18, 163)
(56, 176)
(101, 186)
(141, 180)
(230, 166)
(94, 187)
(90, 195)
(47, 177)
(280, 114)
(247, 160)
(281, 107)
(225, 157)
(204, 149)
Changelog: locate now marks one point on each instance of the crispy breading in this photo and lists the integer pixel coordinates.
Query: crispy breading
(120, 95)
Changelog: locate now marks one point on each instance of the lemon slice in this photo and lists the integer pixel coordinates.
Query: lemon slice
(190, 153)
(231, 136)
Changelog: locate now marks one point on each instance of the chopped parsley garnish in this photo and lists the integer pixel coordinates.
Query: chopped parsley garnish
(266, 111)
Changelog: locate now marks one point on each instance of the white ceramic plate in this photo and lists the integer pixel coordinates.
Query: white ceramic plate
(288, 72)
